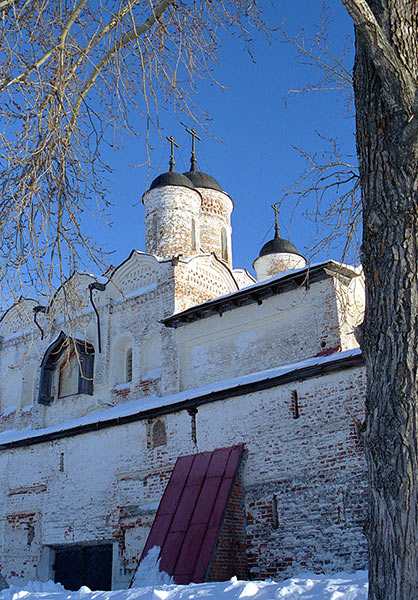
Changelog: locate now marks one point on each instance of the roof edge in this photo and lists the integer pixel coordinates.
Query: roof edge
(319, 366)
(260, 291)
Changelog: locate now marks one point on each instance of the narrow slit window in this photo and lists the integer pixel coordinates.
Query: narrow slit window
(193, 234)
(128, 366)
(224, 246)
(295, 404)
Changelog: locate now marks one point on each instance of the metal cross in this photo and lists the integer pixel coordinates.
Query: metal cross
(195, 137)
(173, 143)
(276, 220)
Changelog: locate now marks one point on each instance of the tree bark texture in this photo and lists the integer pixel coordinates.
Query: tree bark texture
(385, 81)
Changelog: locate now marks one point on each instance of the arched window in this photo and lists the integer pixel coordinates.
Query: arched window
(224, 244)
(193, 234)
(66, 369)
(122, 361)
(128, 365)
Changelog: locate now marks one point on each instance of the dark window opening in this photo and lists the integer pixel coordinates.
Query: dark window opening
(128, 366)
(91, 566)
(295, 405)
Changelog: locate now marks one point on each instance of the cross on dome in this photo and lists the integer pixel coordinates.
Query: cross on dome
(173, 143)
(193, 160)
(276, 220)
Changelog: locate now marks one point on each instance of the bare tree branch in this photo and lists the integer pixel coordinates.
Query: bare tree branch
(5, 3)
(126, 39)
(41, 61)
(327, 190)
(329, 63)
(70, 75)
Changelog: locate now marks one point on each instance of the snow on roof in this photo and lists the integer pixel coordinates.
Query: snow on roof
(257, 292)
(116, 414)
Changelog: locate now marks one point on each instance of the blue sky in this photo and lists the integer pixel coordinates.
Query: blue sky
(255, 161)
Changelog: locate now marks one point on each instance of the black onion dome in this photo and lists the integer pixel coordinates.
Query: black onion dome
(278, 246)
(203, 180)
(171, 178)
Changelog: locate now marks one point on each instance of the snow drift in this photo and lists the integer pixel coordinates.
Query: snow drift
(309, 586)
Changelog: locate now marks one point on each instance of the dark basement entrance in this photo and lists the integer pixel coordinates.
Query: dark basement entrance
(76, 566)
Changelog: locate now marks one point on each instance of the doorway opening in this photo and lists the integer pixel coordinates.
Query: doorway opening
(91, 566)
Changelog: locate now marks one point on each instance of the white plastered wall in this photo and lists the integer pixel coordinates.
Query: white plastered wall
(286, 328)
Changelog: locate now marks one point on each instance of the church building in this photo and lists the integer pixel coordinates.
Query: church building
(187, 406)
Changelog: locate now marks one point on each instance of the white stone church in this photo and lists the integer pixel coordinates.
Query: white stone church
(185, 406)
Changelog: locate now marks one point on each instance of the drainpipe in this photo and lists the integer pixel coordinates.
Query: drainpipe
(36, 310)
(101, 288)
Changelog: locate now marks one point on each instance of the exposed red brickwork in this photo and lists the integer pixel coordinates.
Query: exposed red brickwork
(170, 211)
(319, 486)
(144, 387)
(215, 214)
(124, 393)
(132, 520)
(200, 282)
(329, 351)
(229, 556)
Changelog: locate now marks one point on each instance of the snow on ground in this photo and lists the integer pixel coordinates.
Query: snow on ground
(309, 586)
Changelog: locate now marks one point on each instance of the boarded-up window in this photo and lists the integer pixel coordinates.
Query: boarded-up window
(159, 434)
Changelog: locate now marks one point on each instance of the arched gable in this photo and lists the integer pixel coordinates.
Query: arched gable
(212, 274)
(73, 296)
(18, 317)
(243, 278)
(138, 272)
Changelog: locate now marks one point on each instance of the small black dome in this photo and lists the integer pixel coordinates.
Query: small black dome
(277, 246)
(171, 178)
(203, 180)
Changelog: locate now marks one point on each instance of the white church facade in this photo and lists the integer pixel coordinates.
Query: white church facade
(186, 405)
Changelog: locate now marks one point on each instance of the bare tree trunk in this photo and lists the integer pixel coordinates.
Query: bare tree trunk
(387, 145)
